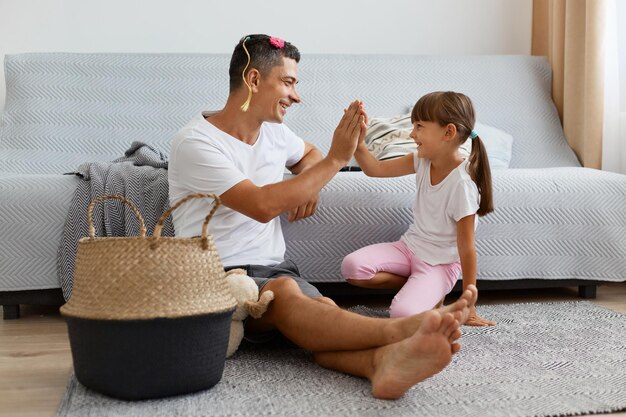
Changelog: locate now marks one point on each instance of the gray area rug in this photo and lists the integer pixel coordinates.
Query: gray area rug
(542, 359)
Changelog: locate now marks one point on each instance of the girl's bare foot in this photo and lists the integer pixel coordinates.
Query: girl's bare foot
(399, 366)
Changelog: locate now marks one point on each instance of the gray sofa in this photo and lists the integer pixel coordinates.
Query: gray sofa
(555, 224)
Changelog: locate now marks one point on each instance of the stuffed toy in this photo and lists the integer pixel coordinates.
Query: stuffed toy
(246, 292)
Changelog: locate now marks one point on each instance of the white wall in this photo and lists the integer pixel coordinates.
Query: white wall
(321, 26)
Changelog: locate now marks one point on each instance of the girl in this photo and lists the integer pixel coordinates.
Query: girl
(451, 191)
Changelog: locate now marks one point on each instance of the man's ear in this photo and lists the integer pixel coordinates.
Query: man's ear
(253, 77)
(450, 131)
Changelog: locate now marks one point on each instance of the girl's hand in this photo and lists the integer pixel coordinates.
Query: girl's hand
(364, 123)
(475, 320)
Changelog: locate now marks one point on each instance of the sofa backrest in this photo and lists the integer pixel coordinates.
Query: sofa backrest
(63, 109)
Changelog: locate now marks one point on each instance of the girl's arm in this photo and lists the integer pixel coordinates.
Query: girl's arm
(467, 252)
(372, 167)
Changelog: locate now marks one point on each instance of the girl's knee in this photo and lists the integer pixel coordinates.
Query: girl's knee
(349, 266)
(353, 268)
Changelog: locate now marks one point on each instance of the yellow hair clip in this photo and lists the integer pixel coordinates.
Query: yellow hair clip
(246, 105)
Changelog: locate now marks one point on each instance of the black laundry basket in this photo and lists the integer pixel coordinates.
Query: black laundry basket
(149, 317)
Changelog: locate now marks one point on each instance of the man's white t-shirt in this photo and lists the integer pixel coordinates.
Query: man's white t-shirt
(437, 208)
(208, 160)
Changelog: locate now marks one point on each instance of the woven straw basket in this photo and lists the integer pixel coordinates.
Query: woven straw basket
(149, 316)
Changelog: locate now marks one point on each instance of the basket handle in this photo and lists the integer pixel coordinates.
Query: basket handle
(205, 224)
(92, 229)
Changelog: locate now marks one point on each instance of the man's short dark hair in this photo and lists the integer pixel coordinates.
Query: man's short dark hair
(263, 56)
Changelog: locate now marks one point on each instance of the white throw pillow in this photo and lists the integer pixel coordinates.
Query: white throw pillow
(498, 143)
(388, 138)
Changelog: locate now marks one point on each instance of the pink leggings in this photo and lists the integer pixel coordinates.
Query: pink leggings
(426, 284)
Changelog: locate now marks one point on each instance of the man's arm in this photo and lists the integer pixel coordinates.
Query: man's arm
(311, 157)
(267, 202)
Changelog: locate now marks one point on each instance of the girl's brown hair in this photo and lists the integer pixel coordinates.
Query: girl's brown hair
(444, 107)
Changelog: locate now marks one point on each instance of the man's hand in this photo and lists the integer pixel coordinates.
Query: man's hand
(303, 211)
(475, 320)
(348, 132)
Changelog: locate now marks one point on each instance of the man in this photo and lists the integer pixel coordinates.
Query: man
(239, 153)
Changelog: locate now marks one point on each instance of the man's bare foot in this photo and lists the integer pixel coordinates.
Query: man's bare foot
(453, 331)
(399, 366)
(463, 304)
(404, 327)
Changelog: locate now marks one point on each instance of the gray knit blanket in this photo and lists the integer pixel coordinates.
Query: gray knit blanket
(140, 176)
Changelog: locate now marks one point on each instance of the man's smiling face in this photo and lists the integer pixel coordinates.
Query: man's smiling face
(277, 91)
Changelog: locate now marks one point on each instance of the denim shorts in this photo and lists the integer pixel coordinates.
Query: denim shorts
(262, 274)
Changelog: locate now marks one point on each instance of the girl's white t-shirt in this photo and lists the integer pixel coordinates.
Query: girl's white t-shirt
(205, 159)
(437, 208)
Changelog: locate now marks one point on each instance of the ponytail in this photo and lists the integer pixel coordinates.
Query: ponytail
(478, 167)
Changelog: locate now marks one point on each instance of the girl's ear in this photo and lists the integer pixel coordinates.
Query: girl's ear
(450, 131)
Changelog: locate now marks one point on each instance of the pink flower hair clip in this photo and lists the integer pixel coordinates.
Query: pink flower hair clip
(277, 42)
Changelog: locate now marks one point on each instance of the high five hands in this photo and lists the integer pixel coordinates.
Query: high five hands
(350, 131)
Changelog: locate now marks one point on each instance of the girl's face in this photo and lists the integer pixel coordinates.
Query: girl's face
(429, 137)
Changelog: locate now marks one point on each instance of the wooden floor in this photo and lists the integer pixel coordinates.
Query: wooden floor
(35, 358)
